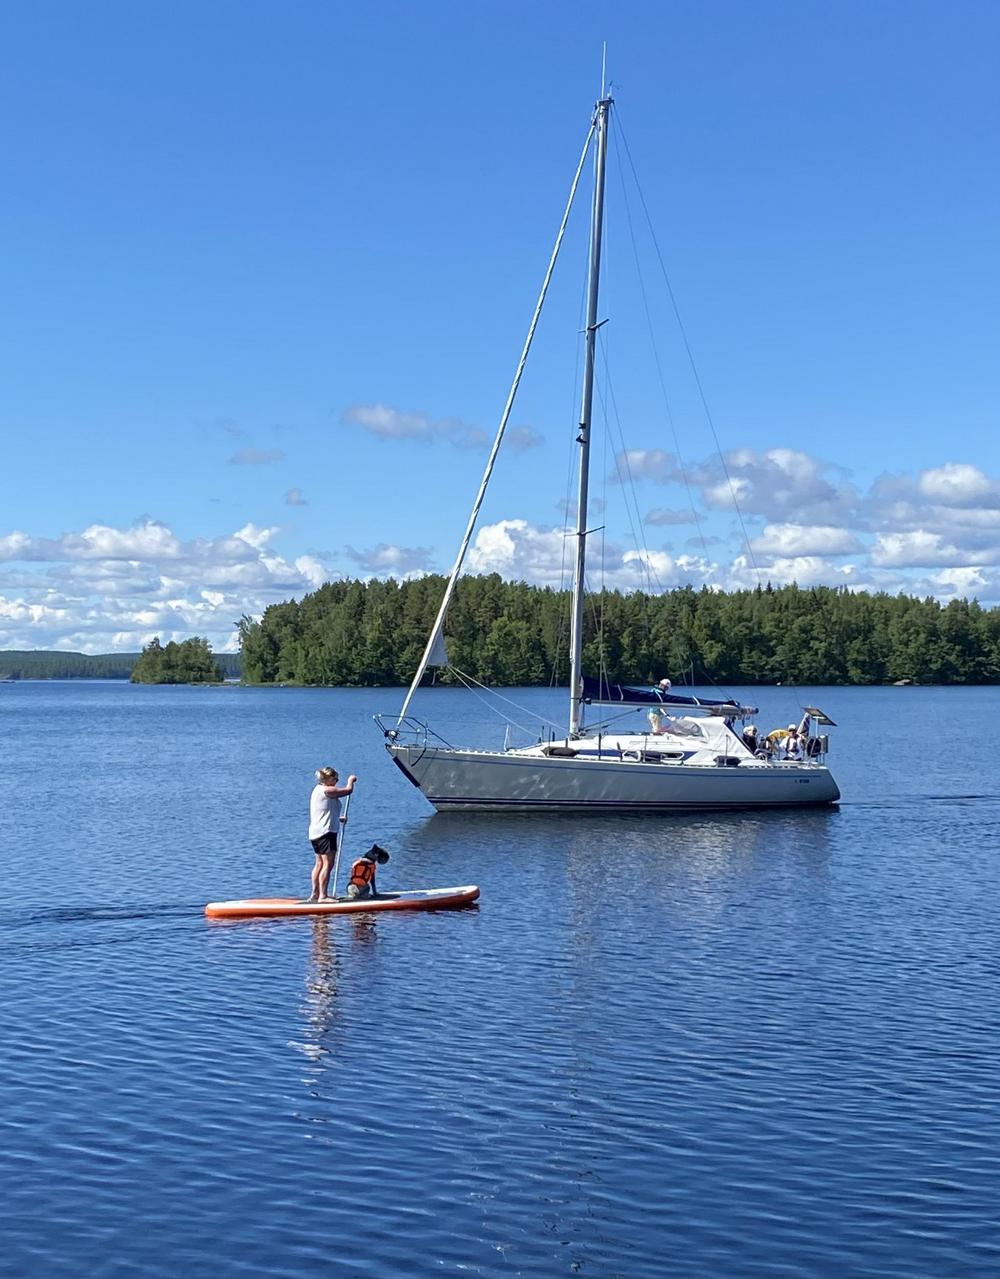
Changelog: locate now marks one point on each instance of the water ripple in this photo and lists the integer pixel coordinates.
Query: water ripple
(744, 1045)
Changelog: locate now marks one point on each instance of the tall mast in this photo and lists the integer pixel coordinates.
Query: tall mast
(583, 439)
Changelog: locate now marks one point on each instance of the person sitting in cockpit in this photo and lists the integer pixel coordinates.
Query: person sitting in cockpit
(750, 738)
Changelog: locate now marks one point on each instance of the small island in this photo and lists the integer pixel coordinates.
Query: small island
(190, 662)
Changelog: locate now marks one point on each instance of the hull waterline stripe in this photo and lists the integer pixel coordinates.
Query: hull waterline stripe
(613, 805)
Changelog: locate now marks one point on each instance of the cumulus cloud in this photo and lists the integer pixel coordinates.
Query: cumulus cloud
(771, 482)
(521, 551)
(145, 539)
(391, 424)
(957, 484)
(934, 531)
(777, 482)
(400, 561)
(805, 539)
(104, 588)
(645, 464)
(922, 548)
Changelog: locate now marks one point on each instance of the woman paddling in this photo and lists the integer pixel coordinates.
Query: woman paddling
(324, 823)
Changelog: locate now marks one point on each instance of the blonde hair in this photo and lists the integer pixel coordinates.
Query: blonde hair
(326, 774)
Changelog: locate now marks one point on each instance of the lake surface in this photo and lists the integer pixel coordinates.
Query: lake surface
(738, 1045)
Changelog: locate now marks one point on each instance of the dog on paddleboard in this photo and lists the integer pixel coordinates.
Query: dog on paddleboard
(362, 880)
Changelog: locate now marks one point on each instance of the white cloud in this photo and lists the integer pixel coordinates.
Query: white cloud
(963, 582)
(923, 548)
(147, 539)
(94, 587)
(935, 531)
(666, 571)
(957, 484)
(777, 482)
(391, 424)
(294, 498)
(312, 570)
(645, 464)
(399, 561)
(806, 570)
(805, 539)
(254, 536)
(519, 550)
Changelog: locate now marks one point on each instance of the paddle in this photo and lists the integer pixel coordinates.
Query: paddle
(332, 887)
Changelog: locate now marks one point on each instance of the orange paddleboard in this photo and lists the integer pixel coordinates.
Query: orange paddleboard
(413, 899)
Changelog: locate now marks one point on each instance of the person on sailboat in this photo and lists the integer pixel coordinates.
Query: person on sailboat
(793, 747)
(362, 881)
(324, 823)
(750, 738)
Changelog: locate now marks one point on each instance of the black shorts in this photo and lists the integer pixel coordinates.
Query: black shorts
(326, 845)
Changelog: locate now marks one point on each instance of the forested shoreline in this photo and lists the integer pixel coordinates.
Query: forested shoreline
(364, 634)
(371, 634)
(52, 664)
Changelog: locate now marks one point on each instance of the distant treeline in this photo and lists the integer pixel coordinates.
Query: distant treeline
(45, 664)
(509, 633)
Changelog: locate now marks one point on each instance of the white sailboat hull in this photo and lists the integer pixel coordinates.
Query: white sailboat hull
(487, 781)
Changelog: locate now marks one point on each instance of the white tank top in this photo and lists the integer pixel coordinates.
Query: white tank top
(324, 812)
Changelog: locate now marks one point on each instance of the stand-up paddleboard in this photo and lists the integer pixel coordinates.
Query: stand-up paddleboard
(412, 899)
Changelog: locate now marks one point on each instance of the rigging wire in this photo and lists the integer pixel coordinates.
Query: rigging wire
(472, 684)
(562, 628)
(621, 461)
(689, 352)
(668, 407)
(436, 630)
(618, 124)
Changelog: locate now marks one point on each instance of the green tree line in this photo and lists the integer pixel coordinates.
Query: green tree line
(49, 664)
(509, 633)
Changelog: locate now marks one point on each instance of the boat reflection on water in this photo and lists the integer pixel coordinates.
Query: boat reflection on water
(682, 863)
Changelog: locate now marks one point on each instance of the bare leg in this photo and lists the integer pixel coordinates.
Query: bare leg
(323, 876)
(317, 868)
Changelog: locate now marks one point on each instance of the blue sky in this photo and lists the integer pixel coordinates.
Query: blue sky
(267, 270)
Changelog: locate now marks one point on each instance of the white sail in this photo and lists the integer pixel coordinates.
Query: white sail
(438, 654)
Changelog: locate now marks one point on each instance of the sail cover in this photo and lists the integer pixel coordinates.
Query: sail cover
(604, 694)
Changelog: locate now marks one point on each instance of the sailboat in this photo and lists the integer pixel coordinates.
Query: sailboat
(690, 757)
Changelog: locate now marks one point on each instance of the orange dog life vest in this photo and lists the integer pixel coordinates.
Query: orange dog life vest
(363, 873)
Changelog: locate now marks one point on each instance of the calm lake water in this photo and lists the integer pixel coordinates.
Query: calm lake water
(740, 1045)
